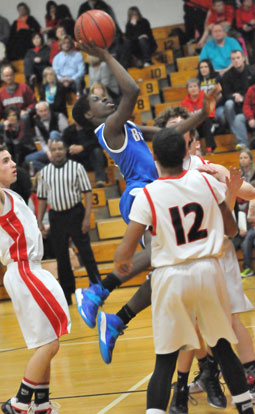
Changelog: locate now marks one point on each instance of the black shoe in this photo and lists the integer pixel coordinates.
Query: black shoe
(179, 403)
(7, 408)
(209, 382)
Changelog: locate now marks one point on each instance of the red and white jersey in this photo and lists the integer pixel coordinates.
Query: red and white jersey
(193, 162)
(20, 237)
(184, 216)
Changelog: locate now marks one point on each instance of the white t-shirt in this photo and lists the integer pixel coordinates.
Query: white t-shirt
(184, 216)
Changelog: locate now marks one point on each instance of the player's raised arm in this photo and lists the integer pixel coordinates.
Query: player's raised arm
(130, 91)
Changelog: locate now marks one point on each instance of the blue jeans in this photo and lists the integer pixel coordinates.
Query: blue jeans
(247, 247)
(237, 123)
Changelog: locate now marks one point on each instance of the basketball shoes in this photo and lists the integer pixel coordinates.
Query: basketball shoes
(50, 407)
(110, 326)
(179, 403)
(88, 302)
(13, 406)
(209, 382)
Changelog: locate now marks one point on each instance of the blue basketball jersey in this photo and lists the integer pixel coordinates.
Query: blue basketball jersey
(134, 159)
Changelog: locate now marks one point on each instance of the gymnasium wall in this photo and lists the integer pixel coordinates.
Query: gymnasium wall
(158, 12)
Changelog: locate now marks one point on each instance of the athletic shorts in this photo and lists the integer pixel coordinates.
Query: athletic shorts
(231, 270)
(127, 199)
(39, 303)
(183, 295)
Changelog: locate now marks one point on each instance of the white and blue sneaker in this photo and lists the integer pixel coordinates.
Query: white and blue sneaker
(110, 326)
(88, 301)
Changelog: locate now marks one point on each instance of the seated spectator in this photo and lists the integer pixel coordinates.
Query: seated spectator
(194, 17)
(139, 40)
(53, 92)
(218, 49)
(245, 23)
(98, 89)
(63, 15)
(17, 135)
(249, 112)
(55, 45)
(193, 102)
(219, 13)
(83, 147)
(23, 184)
(100, 72)
(235, 83)
(21, 30)
(51, 22)
(49, 126)
(16, 94)
(4, 36)
(69, 66)
(206, 75)
(36, 60)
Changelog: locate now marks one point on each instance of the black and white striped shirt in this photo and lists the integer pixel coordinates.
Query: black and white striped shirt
(62, 186)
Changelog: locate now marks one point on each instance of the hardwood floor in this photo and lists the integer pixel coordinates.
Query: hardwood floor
(81, 383)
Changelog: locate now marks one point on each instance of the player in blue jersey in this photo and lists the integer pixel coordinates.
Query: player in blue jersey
(124, 142)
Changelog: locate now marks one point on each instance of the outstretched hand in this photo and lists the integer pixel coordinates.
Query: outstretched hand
(211, 98)
(234, 181)
(91, 49)
(207, 168)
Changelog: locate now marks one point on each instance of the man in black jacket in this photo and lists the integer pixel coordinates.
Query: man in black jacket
(84, 148)
(49, 126)
(235, 83)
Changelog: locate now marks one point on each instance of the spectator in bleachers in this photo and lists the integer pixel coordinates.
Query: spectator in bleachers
(194, 17)
(49, 126)
(4, 36)
(69, 66)
(249, 112)
(235, 83)
(98, 89)
(139, 40)
(245, 23)
(55, 46)
(219, 13)
(17, 94)
(16, 134)
(51, 22)
(66, 20)
(100, 72)
(194, 102)
(83, 147)
(206, 75)
(219, 48)
(36, 60)
(53, 92)
(21, 30)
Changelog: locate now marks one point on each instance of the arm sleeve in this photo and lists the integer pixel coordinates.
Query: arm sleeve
(140, 211)
(80, 67)
(83, 179)
(56, 64)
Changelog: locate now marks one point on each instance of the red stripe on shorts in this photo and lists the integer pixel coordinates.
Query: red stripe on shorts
(153, 211)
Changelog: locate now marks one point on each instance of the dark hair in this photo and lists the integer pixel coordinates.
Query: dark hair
(48, 6)
(3, 147)
(63, 12)
(80, 108)
(170, 113)
(12, 109)
(38, 34)
(169, 147)
(132, 10)
(212, 73)
(24, 5)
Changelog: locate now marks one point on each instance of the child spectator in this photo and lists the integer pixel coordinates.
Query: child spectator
(100, 72)
(193, 102)
(36, 60)
(53, 92)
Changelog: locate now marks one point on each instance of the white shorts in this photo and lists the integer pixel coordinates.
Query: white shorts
(183, 295)
(39, 303)
(230, 267)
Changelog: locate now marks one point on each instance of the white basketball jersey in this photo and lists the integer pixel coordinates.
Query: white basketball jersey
(184, 215)
(193, 162)
(20, 237)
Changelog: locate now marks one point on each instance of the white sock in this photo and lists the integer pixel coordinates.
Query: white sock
(154, 411)
(241, 397)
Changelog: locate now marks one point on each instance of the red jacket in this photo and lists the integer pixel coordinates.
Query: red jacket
(244, 16)
(249, 103)
(200, 4)
(194, 106)
(23, 97)
(227, 15)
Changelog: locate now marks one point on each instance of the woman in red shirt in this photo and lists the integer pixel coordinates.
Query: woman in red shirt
(194, 102)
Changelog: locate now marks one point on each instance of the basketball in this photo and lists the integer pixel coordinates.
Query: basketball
(97, 26)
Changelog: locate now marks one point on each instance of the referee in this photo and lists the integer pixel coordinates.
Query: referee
(61, 185)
